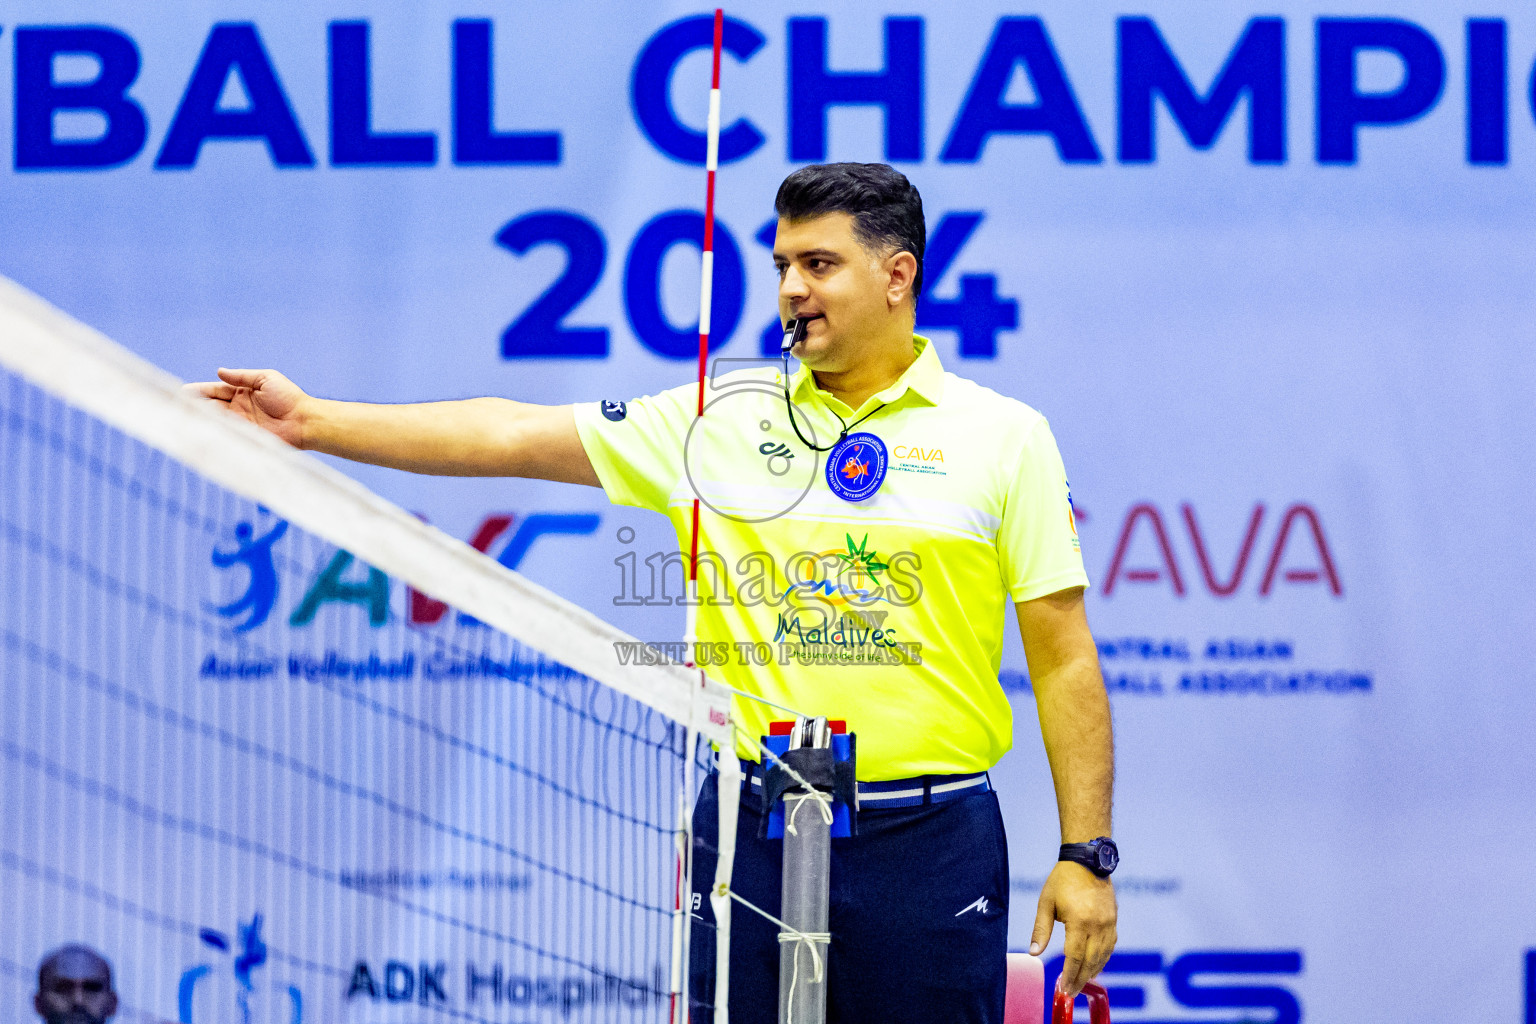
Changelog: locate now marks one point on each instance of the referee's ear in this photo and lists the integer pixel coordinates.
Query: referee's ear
(901, 279)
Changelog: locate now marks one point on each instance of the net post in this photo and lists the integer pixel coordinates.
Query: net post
(806, 891)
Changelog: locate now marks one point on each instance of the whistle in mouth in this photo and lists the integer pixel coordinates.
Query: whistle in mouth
(794, 333)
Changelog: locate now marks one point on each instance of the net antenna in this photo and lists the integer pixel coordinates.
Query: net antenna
(811, 996)
(729, 781)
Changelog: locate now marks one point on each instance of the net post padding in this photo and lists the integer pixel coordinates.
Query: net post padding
(720, 892)
(91, 372)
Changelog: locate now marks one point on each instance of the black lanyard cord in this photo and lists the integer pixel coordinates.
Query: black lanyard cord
(789, 405)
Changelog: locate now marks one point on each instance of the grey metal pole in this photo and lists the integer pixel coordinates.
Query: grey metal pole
(806, 892)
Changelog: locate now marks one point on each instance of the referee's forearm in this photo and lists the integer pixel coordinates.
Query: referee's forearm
(1079, 742)
(476, 437)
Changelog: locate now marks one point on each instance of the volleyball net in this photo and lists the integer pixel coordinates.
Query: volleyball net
(280, 752)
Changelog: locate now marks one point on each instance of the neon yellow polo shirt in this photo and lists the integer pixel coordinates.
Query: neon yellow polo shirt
(887, 612)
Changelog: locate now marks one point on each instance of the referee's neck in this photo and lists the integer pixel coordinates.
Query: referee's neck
(880, 364)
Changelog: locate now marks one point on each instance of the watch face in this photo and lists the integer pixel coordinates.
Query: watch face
(1109, 857)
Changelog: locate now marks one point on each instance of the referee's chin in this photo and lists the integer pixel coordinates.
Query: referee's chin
(815, 353)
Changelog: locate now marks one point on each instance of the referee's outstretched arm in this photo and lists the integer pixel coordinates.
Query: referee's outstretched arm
(474, 437)
(1074, 721)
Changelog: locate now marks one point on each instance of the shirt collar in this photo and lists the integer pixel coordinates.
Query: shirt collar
(924, 378)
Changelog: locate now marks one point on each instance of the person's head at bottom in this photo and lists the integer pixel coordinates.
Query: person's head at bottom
(74, 986)
(849, 251)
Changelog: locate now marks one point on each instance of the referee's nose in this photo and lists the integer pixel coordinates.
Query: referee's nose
(793, 288)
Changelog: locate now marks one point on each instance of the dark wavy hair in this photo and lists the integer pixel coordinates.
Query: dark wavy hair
(886, 209)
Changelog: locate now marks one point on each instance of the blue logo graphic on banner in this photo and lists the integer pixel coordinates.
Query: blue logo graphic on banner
(252, 955)
(1188, 981)
(255, 553)
(856, 467)
(1530, 986)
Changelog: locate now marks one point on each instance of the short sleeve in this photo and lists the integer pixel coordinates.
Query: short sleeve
(1038, 548)
(636, 447)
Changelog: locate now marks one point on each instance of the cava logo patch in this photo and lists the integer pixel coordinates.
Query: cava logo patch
(856, 467)
(615, 411)
(916, 458)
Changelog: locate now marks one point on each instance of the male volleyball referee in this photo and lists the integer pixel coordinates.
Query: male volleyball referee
(966, 483)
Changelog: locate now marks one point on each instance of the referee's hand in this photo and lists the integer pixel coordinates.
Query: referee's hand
(1085, 904)
(264, 397)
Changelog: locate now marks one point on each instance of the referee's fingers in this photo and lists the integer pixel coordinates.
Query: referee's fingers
(1100, 946)
(1073, 972)
(1045, 921)
(252, 379)
(1072, 977)
(215, 389)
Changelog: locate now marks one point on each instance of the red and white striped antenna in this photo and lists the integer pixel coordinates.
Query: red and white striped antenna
(682, 930)
(707, 270)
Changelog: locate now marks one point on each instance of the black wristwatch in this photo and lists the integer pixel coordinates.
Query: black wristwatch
(1101, 856)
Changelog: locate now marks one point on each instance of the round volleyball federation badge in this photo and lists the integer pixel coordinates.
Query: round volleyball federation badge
(856, 467)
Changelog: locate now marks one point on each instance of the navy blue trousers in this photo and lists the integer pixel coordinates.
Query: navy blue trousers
(918, 915)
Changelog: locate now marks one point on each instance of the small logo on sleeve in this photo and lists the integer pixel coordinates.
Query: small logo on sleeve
(615, 411)
(1077, 544)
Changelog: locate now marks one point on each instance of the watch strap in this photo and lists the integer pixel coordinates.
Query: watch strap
(1087, 854)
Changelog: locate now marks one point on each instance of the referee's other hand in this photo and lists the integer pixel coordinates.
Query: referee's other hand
(263, 397)
(1085, 904)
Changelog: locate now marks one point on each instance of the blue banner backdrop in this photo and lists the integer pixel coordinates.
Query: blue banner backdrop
(1267, 268)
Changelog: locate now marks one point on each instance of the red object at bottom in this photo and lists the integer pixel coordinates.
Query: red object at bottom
(1025, 1002)
(1098, 1005)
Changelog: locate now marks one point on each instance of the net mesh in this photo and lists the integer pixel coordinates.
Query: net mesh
(231, 763)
